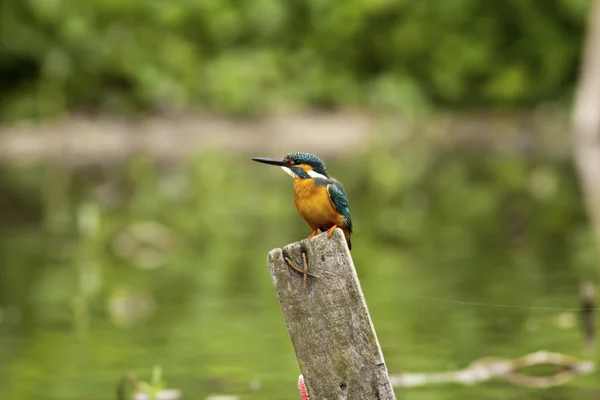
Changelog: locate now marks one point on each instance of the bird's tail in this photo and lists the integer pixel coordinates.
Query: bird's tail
(348, 240)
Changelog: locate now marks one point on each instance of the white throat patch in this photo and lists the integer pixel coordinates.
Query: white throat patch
(311, 173)
(289, 172)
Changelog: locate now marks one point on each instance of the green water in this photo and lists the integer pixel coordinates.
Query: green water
(460, 257)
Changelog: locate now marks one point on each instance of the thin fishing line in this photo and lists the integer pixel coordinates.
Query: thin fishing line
(496, 305)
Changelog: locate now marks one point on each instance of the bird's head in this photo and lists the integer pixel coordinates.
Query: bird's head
(298, 165)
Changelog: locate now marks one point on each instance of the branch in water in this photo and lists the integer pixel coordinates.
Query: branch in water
(488, 368)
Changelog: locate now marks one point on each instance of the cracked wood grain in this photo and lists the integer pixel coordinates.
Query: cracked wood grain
(329, 323)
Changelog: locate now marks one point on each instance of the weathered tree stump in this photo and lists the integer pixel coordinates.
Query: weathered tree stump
(329, 323)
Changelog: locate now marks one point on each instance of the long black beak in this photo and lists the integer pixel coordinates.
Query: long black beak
(271, 161)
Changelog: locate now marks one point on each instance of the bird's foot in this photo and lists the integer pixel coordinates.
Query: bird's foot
(313, 234)
(330, 230)
(303, 271)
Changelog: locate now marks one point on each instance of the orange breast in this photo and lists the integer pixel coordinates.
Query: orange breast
(313, 204)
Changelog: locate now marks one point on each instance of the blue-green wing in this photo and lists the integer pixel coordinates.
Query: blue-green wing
(339, 199)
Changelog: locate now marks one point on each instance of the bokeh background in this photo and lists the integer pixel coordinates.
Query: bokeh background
(134, 230)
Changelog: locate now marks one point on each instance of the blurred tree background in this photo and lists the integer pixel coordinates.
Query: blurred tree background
(465, 248)
(246, 57)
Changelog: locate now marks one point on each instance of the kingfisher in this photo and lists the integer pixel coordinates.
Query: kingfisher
(319, 198)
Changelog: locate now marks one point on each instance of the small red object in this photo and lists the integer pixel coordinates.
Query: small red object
(302, 388)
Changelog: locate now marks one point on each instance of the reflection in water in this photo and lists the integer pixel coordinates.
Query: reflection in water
(459, 259)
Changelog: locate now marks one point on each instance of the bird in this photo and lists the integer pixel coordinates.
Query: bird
(319, 198)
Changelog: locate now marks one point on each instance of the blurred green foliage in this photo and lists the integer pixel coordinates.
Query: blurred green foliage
(247, 57)
(168, 266)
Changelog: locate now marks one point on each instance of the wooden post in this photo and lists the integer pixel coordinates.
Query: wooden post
(586, 147)
(586, 120)
(329, 323)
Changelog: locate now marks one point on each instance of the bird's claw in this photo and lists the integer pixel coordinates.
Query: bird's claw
(303, 271)
(330, 231)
